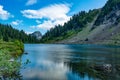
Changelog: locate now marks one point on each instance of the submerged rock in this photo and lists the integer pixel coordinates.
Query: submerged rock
(25, 52)
(104, 67)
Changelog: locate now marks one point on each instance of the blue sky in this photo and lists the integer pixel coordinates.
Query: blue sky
(41, 15)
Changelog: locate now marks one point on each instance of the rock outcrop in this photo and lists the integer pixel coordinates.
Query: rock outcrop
(37, 34)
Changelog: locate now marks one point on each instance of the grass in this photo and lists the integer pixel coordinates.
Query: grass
(9, 53)
(14, 48)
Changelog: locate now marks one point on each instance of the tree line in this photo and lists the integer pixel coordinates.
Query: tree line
(8, 33)
(74, 25)
(111, 5)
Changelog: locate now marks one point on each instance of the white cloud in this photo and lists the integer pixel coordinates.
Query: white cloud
(37, 21)
(45, 25)
(49, 24)
(56, 11)
(4, 15)
(17, 22)
(28, 32)
(31, 2)
(56, 14)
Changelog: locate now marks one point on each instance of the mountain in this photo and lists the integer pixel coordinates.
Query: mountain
(37, 35)
(98, 26)
(8, 33)
(72, 27)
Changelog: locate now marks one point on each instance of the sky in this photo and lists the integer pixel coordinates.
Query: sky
(41, 15)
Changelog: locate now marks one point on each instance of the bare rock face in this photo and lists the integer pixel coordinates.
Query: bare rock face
(37, 34)
(110, 13)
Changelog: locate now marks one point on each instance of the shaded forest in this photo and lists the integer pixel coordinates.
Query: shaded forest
(8, 33)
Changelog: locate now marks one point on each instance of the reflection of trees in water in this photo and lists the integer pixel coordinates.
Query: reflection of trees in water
(84, 68)
(92, 56)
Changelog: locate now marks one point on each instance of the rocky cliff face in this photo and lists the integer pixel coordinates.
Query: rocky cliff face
(109, 13)
(105, 29)
(37, 34)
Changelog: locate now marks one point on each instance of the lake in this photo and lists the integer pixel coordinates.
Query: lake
(69, 62)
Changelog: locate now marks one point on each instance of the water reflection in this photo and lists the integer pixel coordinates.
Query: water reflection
(46, 70)
(67, 62)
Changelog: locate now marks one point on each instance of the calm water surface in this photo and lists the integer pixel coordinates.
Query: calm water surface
(67, 62)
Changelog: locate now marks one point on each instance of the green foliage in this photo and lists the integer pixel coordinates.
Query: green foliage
(73, 26)
(8, 67)
(15, 48)
(111, 5)
(9, 53)
(7, 33)
(20, 44)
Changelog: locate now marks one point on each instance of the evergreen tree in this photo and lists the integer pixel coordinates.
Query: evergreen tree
(74, 25)
(7, 33)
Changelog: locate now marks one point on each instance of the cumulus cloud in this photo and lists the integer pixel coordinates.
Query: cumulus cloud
(55, 14)
(45, 25)
(56, 11)
(17, 22)
(4, 15)
(31, 2)
(48, 24)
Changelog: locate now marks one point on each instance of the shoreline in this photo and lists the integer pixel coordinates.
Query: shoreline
(9, 53)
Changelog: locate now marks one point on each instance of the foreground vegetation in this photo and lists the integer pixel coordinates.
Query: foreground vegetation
(9, 63)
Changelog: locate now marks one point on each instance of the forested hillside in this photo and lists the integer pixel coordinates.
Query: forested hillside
(98, 26)
(75, 25)
(110, 6)
(7, 33)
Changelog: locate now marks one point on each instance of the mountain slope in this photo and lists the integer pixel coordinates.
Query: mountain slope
(104, 30)
(72, 27)
(104, 27)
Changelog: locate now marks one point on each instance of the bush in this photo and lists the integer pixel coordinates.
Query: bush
(8, 67)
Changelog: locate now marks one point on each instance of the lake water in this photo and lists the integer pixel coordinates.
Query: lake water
(68, 62)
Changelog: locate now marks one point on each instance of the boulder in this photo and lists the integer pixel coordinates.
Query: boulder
(103, 67)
